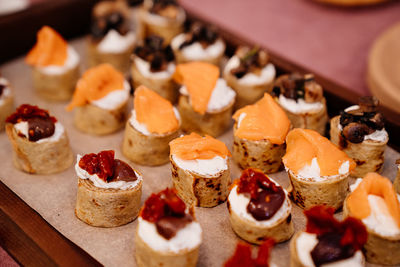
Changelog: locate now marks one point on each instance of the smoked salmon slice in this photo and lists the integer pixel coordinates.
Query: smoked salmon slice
(50, 49)
(199, 78)
(194, 146)
(373, 184)
(303, 145)
(154, 111)
(263, 120)
(96, 83)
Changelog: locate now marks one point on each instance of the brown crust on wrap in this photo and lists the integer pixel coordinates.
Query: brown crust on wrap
(168, 32)
(94, 120)
(200, 190)
(39, 158)
(107, 207)
(5, 110)
(316, 121)
(166, 88)
(281, 231)
(147, 257)
(379, 249)
(246, 94)
(368, 155)
(213, 124)
(150, 150)
(261, 154)
(58, 87)
(330, 192)
(121, 61)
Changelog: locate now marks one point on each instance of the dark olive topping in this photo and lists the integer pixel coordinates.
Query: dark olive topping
(2, 87)
(198, 32)
(39, 128)
(329, 249)
(108, 16)
(295, 86)
(362, 121)
(168, 226)
(134, 3)
(155, 52)
(166, 8)
(251, 60)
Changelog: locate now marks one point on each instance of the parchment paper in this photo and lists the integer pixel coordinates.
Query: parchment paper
(54, 196)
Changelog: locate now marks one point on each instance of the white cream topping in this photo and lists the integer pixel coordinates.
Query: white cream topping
(8, 7)
(141, 127)
(114, 99)
(22, 128)
(267, 74)
(114, 42)
(377, 135)
(239, 202)
(300, 106)
(312, 172)
(306, 242)
(156, 19)
(122, 185)
(221, 96)
(195, 51)
(6, 90)
(71, 62)
(380, 220)
(144, 68)
(186, 238)
(205, 167)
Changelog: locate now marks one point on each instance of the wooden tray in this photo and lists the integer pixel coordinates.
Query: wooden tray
(35, 236)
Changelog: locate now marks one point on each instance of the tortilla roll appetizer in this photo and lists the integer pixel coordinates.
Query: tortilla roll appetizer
(243, 255)
(111, 40)
(40, 143)
(6, 101)
(100, 101)
(360, 132)
(259, 208)
(167, 234)
(153, 124)
(250, 74)
(302, 99)
(153, 65)
(205, 101)
(162, 17)
(397, 179)
(374, 201)
(199, 43)
(55, 65)
(318, 171)
(259, 140)
(327, 241)
(109, 190)
(200, 170)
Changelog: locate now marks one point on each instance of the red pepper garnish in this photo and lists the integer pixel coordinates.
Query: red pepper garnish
(163, 204)
(242, 256)
(253, 179)
(101, 164)
(320, 220)
(26, 111)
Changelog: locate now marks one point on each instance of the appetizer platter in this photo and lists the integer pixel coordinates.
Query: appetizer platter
(116, 185)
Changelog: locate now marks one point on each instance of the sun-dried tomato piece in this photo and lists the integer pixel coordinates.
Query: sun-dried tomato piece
(320, 221)
(252, 179)
(242, 255)
(163, 204)
(101, 164)
(26, 111)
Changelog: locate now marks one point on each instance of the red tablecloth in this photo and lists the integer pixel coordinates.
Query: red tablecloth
(331, 41)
